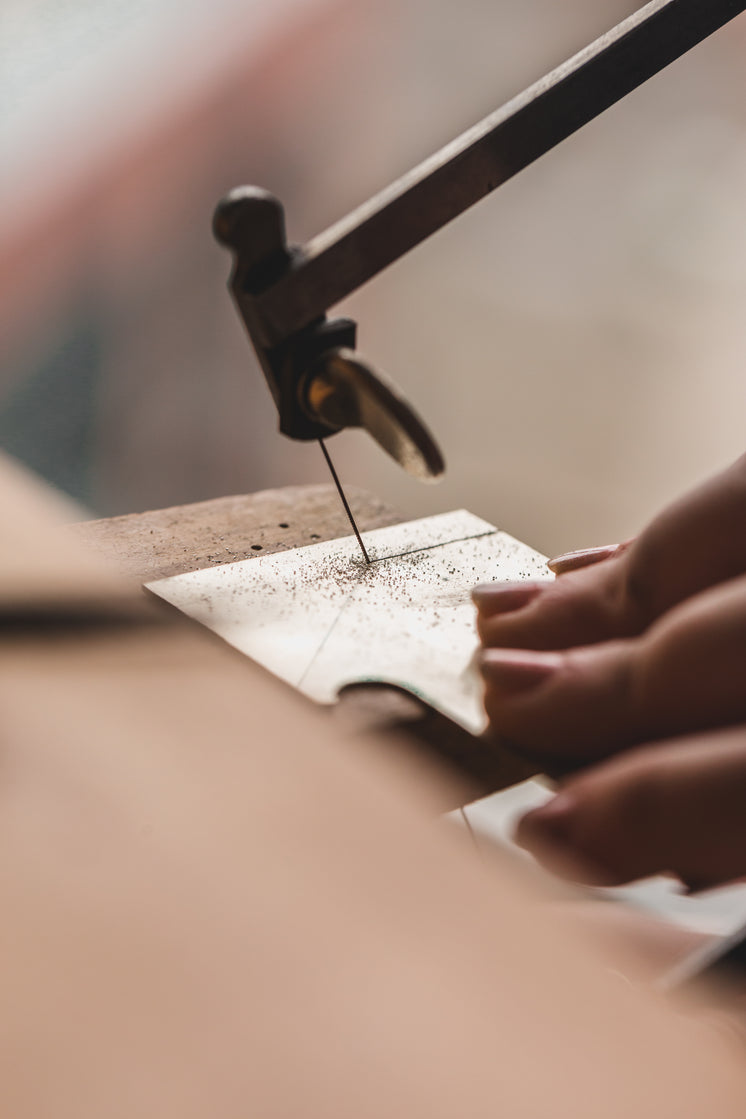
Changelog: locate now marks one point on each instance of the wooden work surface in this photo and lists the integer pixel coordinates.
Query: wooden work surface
(216, 902)
(164, 542)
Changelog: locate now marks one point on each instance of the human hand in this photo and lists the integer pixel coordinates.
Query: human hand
(646, 645)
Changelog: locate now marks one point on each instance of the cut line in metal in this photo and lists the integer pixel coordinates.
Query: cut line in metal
(347, 509)
(427, 548)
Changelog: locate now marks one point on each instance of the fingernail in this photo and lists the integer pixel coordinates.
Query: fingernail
(550, 823)
(515, 670)
(504, 598)
(573, 561)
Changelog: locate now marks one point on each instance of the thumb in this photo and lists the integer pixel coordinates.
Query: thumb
(671, 808)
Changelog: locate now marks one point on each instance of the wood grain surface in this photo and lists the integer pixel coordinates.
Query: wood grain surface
(165, 542)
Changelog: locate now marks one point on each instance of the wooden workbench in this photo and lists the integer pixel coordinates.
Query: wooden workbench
(165, 542)
(216, 902)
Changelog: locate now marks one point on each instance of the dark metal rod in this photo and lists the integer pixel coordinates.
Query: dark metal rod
(341, 493)
(354, 250)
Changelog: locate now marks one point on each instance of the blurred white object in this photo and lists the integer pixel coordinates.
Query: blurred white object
(78, 77)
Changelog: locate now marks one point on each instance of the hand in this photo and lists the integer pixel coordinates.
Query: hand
(674, 807)
(697, 543)
(648, 644)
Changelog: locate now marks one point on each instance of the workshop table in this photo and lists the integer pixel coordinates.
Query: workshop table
(164, 542)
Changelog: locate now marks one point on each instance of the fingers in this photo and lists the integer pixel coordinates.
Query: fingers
(572, 705)
(687, 672)
(696, 543)
(580, 608)
(494, 599)
(670, 808)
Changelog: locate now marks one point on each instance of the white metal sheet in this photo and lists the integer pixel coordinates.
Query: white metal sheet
(320, 618)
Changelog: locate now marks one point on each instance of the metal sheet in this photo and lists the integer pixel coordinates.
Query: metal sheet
(320, 618)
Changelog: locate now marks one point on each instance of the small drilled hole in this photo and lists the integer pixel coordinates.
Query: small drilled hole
(283, 524)
(256, 547)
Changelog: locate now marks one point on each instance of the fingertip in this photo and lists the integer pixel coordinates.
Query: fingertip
(549, 833)
(505, 597)
(509, 671)
(550, 823)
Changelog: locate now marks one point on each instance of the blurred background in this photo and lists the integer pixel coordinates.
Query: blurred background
(576, 341)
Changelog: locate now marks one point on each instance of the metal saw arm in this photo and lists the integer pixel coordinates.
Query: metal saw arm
(283, 294)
